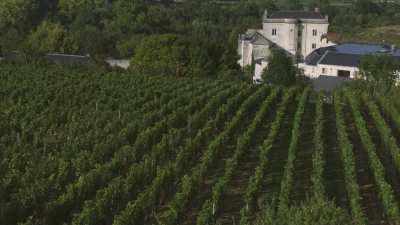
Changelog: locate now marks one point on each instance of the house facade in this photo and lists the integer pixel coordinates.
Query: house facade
(303, 35)
(298, 33)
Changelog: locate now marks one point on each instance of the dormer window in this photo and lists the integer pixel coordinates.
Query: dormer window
(273, 32)
(314, 32)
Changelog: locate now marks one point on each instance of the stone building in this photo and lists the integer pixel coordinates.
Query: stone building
(298, 33)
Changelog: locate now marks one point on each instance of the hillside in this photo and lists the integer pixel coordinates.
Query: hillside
(95, 147)
(381, 34)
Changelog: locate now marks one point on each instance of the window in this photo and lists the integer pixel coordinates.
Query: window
(323, 71)
(273, 32)
(314, 46)
(314, 32)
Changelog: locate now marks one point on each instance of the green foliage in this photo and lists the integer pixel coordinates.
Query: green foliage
(211, 207)
(161, 55)
(255, 181)
(318, 159)
(385, 190)
(280, 70)
(48, 37)
(18, 13)
(287, 180)
(135, 149)
(318, 212)
(347, 155)
(379, 72)
(362, 21)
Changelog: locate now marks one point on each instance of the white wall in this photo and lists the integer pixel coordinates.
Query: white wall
(286, 34)
(309, 39)
(333, 70)
(259, 68)
(309, 71)
(122, 63)
(330, 70)
(245, 52)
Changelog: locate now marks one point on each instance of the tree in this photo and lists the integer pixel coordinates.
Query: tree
(161, 55)
(48, 37)
(366, 7)
(17, 18)
(289, 4)
(380, 72)
(17, 13)
(280, 70)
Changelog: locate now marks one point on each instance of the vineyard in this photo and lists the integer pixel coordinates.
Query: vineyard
(107, 148)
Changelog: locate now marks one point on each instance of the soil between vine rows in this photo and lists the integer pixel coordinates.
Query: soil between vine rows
(391, 124)
(216, 172)
(277, 158)
(391, 174)
(303, 164)
(333, 172)
(368, 189)
(233, 200)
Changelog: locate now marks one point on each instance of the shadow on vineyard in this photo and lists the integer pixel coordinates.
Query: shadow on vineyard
(333, 173)
(390, 121)
(233, 200)
(303, 164)
(370, 202)
(278, 157)
(227, 150)
(392, 175)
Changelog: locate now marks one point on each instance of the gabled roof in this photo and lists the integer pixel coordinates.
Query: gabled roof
(255, 38)
(259, 39)
(296, 15)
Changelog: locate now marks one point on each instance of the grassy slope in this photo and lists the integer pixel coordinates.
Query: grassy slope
(386, 34)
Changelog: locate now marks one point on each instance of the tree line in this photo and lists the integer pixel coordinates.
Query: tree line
(196, 38)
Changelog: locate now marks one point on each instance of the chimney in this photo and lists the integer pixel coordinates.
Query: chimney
(316, 9)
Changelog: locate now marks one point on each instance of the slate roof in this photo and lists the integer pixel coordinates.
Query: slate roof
(329, 83)
(296, 15)
(341, 59)
(348, 54)
(259, 39)
(68, 59)
(255, 38)
(315, 56)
